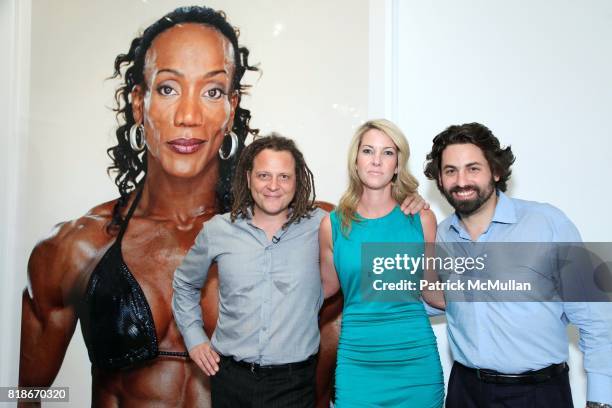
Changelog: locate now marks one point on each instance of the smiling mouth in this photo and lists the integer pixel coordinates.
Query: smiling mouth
(186, 146)
(464, 194)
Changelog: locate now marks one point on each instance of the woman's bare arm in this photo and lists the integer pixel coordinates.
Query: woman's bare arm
(329, 277)
(56, 273)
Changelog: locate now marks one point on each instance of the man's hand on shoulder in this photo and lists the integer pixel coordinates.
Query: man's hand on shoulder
(413, 204)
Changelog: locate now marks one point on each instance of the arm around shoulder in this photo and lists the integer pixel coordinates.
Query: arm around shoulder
(434, 298)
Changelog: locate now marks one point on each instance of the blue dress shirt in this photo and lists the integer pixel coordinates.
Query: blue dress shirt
(513, 337)
(269, 291)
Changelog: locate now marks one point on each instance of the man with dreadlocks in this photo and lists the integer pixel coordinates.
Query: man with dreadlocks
(266, 250)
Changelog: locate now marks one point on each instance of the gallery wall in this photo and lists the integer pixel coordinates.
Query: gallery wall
(535, 72)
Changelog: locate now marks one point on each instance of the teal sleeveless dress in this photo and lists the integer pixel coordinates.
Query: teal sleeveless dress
(387, 351)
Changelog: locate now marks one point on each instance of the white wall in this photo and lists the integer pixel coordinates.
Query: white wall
(538, 74)
(314, 87)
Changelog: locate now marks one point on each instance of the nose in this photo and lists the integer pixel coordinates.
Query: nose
(376, 159)
(189, 111)
(273, 184)
(461, 178)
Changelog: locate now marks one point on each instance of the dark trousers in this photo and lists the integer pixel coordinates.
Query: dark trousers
(236, 386)
(465, 390)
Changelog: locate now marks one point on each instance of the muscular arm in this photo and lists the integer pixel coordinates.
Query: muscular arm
(48, 313)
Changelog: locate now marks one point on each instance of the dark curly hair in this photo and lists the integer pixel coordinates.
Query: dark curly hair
(500, 159)
(130, 167)
(303, 201)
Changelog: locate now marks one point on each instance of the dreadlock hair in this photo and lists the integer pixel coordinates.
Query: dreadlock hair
(302, 203)
(130, 167)
(500, 159)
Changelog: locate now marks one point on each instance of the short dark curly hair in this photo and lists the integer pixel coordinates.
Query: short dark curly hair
(303, 201)
(130, 167)
(500, 159)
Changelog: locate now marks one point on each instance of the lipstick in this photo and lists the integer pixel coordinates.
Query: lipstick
(186, 146)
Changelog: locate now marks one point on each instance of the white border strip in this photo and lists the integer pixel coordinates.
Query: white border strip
(17, 14)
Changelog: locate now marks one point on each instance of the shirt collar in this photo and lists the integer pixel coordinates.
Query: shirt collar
(505, 213)
(249, 218)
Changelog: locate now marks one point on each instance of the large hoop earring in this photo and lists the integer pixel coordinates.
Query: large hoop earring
(137, 139)
(232, 151)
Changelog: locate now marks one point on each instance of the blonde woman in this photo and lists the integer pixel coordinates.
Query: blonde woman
(387, 352)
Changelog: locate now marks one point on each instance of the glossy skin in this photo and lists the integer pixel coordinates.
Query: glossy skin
(185, 120)
(187, 104)
(179, 105)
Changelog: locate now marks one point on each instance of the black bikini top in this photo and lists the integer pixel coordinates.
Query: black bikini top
(116, 319)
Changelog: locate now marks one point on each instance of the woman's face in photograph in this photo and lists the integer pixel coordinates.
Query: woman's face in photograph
(188, 104)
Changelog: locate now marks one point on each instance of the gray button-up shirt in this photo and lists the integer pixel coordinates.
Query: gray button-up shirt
(269, 292)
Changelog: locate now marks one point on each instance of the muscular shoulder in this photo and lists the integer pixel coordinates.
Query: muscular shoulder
(69, 250)
(89, 228)
(104, 210)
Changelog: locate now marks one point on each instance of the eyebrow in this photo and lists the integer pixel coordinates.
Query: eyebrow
(372, 147)
(180, 74)
(466, 165)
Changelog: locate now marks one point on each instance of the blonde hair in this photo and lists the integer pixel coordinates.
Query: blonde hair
(404, 183)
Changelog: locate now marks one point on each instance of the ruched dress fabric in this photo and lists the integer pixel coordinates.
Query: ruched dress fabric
(387, 351)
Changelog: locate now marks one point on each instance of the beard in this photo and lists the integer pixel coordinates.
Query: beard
(467, 207)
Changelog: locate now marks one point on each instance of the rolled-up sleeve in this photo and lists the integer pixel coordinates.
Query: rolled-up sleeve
(188, 280)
